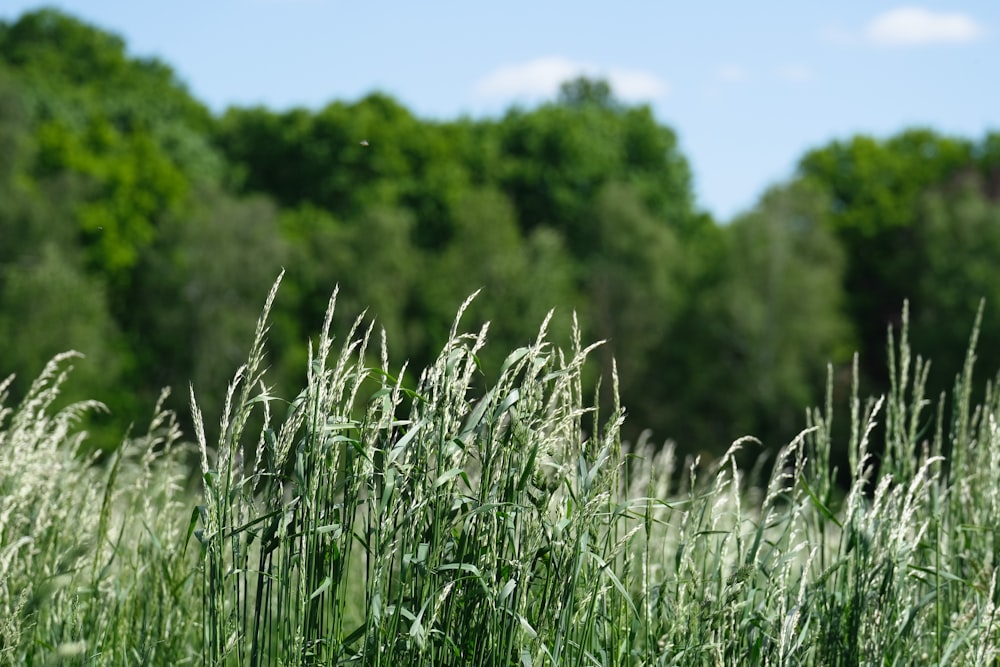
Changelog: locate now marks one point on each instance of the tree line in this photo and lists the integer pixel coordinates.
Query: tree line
(143, 230)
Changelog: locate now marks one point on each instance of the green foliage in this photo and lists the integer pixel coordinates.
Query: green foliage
(523, 277)
(209, 266)
(634, 277)
(372, 260)
(48, 301)
(876, 189)
(104, 150)
(876, 185)
(72, 65)
(782, 309)
(347, 158)
(487, 204)
(581, 92)
(132, 184)
(14, 136)
(556, 159)
(172, 220)
(957, 244)
(124, 127)
(46, 306)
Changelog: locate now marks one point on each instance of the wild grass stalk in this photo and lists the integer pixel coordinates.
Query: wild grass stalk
(92, 566)
(467, 520)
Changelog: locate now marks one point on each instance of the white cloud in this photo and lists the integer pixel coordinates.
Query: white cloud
(633, 84)
(796, 74)
(838, 34)
(913, 26)
(732, 74)
(543, 76)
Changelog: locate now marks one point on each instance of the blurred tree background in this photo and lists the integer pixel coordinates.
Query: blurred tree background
(144, 231)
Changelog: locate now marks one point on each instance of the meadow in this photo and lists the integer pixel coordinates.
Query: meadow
(473, 520)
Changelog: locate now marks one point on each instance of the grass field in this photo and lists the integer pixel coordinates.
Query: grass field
(494, 521)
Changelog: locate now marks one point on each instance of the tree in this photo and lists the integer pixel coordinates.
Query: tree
(583, 91)
(874, 189)
(555, 160)
(348, 158)
(783, 307)
(206, 278)
(123, 128)
(48, 306)
(48, 302)
(634, 279)
(759, 314)
(521, 278)
(370, 259)
(957, 234)
(73, 67)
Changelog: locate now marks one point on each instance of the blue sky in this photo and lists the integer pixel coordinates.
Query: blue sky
(748, 86)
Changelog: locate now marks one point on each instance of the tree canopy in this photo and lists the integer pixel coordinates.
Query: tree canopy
(143, 230)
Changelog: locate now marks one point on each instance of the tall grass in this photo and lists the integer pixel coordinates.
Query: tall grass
(92, 564)
(462, 521)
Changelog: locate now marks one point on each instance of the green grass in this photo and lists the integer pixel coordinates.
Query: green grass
(471, 522)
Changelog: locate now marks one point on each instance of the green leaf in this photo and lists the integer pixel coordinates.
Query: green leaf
(327, 581)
